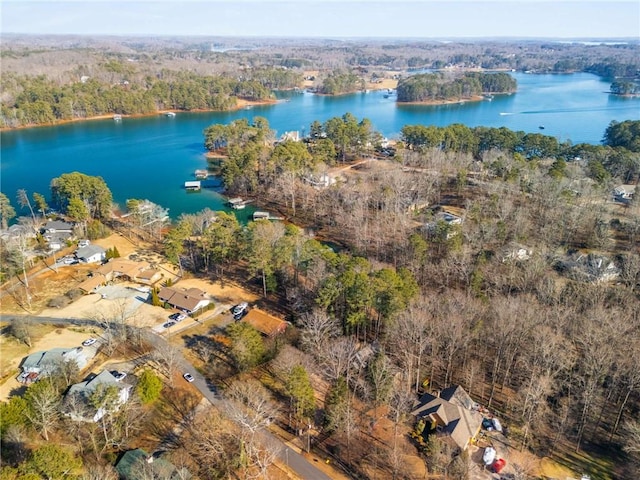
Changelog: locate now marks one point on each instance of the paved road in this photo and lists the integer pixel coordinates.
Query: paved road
(287, 455)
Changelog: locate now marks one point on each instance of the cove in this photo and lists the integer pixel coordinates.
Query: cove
(152, 157)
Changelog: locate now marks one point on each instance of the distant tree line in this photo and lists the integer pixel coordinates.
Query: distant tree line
(625, 87)
(34, 100)
(439, 86)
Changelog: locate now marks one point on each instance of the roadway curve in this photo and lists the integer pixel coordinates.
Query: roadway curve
(286, 455)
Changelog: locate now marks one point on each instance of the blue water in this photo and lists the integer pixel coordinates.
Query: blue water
(152, 157)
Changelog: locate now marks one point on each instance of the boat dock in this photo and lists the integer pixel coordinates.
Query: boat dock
(201, 174)
(258, 215)
(193, 186)
(238, 203)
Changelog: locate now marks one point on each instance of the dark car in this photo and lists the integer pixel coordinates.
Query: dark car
(177, 317)
(169, 324)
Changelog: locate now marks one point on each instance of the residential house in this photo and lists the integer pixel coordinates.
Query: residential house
(91, 254)
(323, 180)
(589, 268)
(446, 218)
(139, 465)
(56, 233)
(42, 364)
(450, 414)
(516, 253)
(624, 193)
(188, 300)
(292, 136)
(16, 233)
(140, 272)
(78, 403)
(265, 323)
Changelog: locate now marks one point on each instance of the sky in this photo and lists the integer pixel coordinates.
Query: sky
(327, 18)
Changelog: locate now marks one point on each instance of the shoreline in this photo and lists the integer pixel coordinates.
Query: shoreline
(240, 104)
(475, 98)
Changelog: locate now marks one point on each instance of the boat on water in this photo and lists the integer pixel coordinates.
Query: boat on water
(170, 114)
(489, 455)
(117, 117)
(541, 127)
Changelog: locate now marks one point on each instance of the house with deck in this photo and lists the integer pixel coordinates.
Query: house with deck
(56, 233)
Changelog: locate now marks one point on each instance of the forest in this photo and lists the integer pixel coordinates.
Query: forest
(439, 86)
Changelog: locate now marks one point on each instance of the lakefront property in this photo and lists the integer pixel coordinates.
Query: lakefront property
(389, 268)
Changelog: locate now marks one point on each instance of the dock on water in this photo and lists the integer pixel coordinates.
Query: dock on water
(193, 186)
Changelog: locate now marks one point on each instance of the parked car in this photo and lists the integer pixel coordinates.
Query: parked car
(169, 324)
(177, 317)
(88, 342)
(83, 243)
(118, 375)
(68, 260)
(238, 309)
(188, 377)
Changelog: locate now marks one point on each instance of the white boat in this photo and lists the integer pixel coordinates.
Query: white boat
(117, 117)
(170, 114)
(496, 425)
(489, 455)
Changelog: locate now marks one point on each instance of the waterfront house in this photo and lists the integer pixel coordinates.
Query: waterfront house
(56, 233)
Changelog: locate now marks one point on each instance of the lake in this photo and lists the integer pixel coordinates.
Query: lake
(152, 157)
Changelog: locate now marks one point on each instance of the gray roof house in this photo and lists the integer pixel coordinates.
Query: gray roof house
(450, 413)
(46, 362)
(91, 254)
(83, 391)
(139, 465)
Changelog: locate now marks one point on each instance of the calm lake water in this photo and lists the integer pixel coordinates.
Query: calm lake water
(152, 157)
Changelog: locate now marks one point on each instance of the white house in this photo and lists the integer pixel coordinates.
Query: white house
(80, 394)
(41, 364)
(91, 254)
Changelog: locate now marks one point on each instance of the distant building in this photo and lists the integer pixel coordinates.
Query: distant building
(293, 136)
(624, 193)
(589, 268)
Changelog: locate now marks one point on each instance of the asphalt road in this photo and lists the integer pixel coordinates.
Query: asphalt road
(286, 455)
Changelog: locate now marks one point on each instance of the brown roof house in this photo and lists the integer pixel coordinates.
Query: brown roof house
(451, 414)
(188, 300)
(265, 323)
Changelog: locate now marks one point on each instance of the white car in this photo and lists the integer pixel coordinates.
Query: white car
(188, 377)
(240, 308)
(88, 342)
(83, 243)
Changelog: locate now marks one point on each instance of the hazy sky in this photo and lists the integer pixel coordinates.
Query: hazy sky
(328, 18)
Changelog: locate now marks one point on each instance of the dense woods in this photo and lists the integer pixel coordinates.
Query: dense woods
(39, 100)
(439, 86)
